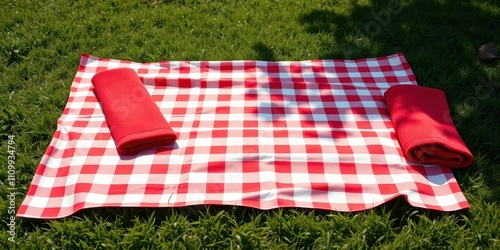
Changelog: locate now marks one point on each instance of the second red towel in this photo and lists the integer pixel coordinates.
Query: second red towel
(134, 120)
(424, 128)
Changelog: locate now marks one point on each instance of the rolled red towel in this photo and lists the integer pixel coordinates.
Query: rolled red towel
(134, 120)
(424, 127)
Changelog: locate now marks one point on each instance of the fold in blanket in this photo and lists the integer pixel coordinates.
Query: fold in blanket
(133, 118)
(424, 127)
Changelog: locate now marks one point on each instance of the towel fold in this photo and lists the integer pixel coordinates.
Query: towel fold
(424, 128)
(133, 118)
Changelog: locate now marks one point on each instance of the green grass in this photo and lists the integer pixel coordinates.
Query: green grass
(41, 43)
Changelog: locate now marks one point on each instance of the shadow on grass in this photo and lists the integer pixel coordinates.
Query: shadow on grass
(396, 211)
(439, 40)
(264, 52)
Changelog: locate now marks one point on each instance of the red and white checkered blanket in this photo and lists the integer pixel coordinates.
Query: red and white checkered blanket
(313, 134)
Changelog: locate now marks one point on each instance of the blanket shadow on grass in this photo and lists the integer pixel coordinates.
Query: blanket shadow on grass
(185, 220)
(439, 41)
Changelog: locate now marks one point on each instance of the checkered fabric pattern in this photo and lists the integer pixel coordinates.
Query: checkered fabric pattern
(312, 134)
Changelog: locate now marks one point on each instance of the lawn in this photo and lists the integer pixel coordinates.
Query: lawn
(41, 43)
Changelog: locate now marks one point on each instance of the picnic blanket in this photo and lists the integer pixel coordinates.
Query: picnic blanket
(134, 120)
(423, 125)
(311, 134)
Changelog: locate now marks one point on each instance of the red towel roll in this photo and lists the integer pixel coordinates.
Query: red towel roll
(424, 127)
(134, 120)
